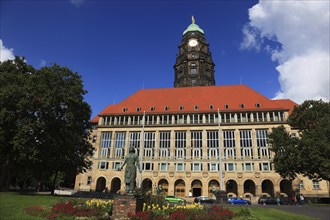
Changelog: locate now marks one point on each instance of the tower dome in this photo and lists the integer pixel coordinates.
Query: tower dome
(193, 27)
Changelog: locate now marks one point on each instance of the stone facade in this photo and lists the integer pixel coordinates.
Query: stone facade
(245, 173)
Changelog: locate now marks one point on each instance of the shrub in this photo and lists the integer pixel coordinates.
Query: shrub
(73, 209)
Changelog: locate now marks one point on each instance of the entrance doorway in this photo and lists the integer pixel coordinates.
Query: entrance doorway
(115, 185)
(179, 188)
(100, 184)
(196, 187)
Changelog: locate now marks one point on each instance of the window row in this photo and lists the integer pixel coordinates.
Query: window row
(211, 118)
(194, 167)
(117, 149)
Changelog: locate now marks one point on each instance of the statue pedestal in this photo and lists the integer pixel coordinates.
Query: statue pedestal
(221, 196)
(123, 204)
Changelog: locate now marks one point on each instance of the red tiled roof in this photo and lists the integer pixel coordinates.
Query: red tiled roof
(286, 103)
(95, 119)
(189, 97)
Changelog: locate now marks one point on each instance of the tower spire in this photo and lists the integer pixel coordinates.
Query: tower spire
(192, 19)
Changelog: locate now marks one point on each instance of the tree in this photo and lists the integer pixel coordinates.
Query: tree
(308, 154)
(44, 122)
(14, 77)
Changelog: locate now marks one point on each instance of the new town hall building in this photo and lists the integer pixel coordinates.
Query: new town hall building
(194, 136)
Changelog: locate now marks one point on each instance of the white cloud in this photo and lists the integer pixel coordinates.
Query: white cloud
(300, 31)
(251, 39)
(6, 53)
(77, 3)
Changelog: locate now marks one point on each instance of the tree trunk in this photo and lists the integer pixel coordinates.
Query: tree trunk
(54, 182)
(4, 178)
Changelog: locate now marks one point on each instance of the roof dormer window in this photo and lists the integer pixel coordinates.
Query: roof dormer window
(257, 105)
(211, 107)
(138, 109)
(125, 109)
(226, 106)
(196, 107)
(166, 108)
(181, 107)
(242, 106)
(152, 109)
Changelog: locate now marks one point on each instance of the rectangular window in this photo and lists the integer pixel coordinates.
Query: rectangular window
(147, 166)
(316, 184)
(163, 166)
(134, 140)
(262, 143)
(301, 185)
(196, 145)
(116, 165)
(213, 167)
(248, 167)
(105, 144)
(89, 180)
(180, 144)
(196, 167)
(179, 166)
(246, 143)
(245, 138)
(164, 144)
(230, 167)
(193, 71)
(229, 144)
(120, 144)
(212, 144)
(265, 166)
(262, 138)
(149, 144)
(103, 165)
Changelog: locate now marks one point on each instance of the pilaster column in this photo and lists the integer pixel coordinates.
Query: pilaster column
(237, 144)
(188, 145)
(112, 151)
(254, 144)
(204, 144)
(172, 149)
(240, 189)
(156, 145)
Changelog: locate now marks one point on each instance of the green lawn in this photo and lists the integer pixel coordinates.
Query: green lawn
(269, 214)
(12, 207)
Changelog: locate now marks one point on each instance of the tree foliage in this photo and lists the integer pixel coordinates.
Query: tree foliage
(44, 122)
(308, 154)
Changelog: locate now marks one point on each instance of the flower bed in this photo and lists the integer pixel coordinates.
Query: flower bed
(74, 209)
(189, 211)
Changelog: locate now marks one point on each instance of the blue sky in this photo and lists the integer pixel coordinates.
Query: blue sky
(119, 47)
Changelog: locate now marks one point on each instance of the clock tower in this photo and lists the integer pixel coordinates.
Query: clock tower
(194, 65)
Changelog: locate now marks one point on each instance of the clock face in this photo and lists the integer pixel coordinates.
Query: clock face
(193, 42)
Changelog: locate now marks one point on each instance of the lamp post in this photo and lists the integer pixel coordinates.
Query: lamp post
(141, 149)
(220, 153)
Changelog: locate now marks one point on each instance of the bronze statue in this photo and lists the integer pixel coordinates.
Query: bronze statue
(131, 161)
